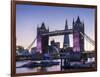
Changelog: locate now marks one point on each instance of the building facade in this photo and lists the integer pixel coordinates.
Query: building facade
(42, 41)
(78, 39)
(66, 43)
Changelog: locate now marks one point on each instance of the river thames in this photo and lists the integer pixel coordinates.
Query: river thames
(36, 69)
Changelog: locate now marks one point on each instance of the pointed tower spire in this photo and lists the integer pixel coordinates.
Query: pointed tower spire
(83, 23)
(43, 26)
(78, 20)
(66, 24)
(66, 37)
(73, 21)
(66, 21)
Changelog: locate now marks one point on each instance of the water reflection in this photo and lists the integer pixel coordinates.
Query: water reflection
(35, 69)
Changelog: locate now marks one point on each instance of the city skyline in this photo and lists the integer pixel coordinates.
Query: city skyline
(28, 17)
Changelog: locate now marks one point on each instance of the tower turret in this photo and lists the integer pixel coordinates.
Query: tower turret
(42, 41)
(78, 39)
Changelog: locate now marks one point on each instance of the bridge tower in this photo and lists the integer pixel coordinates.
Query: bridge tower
(78, 40)
(42, 41)
(66, 37)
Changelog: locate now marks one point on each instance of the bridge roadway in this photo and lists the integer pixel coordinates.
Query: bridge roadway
(58, 32)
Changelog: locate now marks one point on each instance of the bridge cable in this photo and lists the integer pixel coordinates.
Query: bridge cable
(31, 43)
(88, 38)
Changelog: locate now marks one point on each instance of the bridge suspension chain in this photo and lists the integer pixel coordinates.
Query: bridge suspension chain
(88, 38)
(31, 43)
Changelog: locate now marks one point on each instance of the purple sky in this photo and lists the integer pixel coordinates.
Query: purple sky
(28, 17)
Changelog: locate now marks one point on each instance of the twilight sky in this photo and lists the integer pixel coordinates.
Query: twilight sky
(28, 17)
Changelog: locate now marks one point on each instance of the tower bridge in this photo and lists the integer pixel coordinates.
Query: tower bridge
(74, 54)
(58, 32)
(43, 35)
(77, 31)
